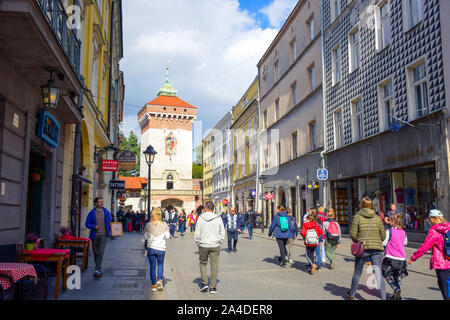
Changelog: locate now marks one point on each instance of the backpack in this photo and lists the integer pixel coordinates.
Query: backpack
(311, 237)
(284, 224)
(447, 245)
(333, 232)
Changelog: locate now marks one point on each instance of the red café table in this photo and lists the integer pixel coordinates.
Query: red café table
(57, 255)
(71, 241)
(17, 271)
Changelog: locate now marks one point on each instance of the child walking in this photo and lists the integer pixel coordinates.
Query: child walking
(311, 233)
(394, 262)
(333, 236)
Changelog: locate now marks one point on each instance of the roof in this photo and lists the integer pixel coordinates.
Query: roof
(170, 102)
(134, 182)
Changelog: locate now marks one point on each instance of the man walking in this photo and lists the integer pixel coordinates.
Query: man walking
(209, 236)
(99, 222)
(250, 220)
(172, 221)
(234, 225)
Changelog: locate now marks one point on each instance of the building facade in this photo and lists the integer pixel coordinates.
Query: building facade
(166, 124)
(291, 135)
(386, 107)
(33, 137)
(207, 161)
(222, 162)
(244, 134)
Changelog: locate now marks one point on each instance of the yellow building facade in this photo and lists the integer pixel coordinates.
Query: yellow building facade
(101, 36)
(244, 132)
(207, 144)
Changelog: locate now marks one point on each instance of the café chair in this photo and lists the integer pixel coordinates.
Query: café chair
(7, 294)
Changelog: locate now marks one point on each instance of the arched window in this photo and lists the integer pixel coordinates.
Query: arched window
(169, 182)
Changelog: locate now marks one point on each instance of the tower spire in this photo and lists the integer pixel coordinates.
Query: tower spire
(167, 89)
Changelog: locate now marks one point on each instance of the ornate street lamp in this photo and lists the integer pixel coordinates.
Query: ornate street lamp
(149, 154)
(50, 94)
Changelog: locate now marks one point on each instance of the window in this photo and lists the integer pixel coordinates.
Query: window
(276, 72)
(414, 12)
(266, 158)
(336, 65)
(335, 7)
(357, 120)
(294, 94)
(354, 50)
(338, 130)
(420, 91)
(387, 105)
(94, 71)
(279, 152)
(294, 145)
(311, 78)
(310, 29)
(169, 182)
(293, 46)
(265, 119)
(264, 84)
(312, 135)
(383, 26)
(277, 109)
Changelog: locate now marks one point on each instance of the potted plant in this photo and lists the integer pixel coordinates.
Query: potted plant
(30, 241)
(37, 175)
(64, 231)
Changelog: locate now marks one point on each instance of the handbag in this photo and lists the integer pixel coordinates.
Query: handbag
(357, 248)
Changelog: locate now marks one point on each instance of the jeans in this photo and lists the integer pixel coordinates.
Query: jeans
(213, 255)
(282, 245)
(319, 254)
(98, 247)
(193, 227)
(172, 228)
(376, 258)
(250, 230)
(310, 255)
(443, 282)
(156, 257)
(290, 244)
(232, 234)
(182, 228)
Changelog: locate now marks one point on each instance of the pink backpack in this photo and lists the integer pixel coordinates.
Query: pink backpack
(333, 231)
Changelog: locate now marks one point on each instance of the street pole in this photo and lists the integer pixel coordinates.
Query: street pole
(149, 190)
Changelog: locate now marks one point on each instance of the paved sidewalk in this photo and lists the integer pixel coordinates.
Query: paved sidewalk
(251, 273)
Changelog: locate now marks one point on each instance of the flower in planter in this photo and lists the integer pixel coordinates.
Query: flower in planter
(64, 230)
(31, 238)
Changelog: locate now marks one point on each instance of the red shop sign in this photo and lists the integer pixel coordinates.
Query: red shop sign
(110, 165)
(225, 202)
(269, 196)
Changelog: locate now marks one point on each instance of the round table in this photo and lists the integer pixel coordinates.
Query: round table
(17, 271)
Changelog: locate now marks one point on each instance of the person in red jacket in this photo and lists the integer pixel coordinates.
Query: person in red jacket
(311, 233)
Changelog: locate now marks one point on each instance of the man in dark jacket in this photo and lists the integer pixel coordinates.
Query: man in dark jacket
(282, 236)
(172, 220)
(250, 220)
(99, 222)
(233, 225)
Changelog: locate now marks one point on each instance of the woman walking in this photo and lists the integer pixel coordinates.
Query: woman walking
(394, 262)
(368, 229)
(311, 233)
(435, 242)
(192, 220)
(182, 222)
(291, 241)
(156, 233)
(333, 236)
(282, 228)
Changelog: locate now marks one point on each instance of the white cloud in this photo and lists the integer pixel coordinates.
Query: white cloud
(278, 11)
(213, 47)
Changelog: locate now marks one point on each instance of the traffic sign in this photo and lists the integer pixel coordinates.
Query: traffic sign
(225, 202)
(269, 196)
(322, 174)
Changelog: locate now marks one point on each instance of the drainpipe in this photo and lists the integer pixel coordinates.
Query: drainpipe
(322, 153)
(257, 152)
(110, 68)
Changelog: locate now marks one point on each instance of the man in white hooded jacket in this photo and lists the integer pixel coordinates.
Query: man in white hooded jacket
(209, 236)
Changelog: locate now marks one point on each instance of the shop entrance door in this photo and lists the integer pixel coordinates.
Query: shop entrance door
(37, 172)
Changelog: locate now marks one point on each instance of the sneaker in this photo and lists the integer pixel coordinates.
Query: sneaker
(324, 260)
(349, 296)
(313, 269)
(204, 288)
(154, 287)
(290, 261)
(331, 264)
(159, 285)
(97, 274)
(234, 250)
(101, 272)
(319, 268)
(213, 290)
(397, 295)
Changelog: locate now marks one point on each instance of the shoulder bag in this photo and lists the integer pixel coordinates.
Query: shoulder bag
(357, 248)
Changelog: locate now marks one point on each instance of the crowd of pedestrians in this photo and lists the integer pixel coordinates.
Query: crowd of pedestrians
(378, 240)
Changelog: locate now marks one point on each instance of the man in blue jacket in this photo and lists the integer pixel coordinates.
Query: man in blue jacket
(99, 222)
(233, 224)
(282, 236)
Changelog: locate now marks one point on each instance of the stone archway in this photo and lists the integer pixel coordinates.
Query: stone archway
(172, 202)
(281, 197)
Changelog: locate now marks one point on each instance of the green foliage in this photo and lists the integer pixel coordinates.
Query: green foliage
(197, 171)
(131, 144)
(198, 150)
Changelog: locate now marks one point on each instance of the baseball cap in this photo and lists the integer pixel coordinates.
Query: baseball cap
(435, 213)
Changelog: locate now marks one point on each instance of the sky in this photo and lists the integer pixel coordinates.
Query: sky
(211, 47)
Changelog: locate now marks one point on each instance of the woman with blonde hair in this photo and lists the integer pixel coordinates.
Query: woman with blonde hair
(333, 236)
(435, 242)
(368, 229)
(156, 232)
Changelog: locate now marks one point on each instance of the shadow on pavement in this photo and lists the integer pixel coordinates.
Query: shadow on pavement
(274, 260)
(300, 266)
(198, 282)
(339, 291)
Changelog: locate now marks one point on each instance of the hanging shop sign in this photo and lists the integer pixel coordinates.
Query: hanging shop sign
(117, 185)
(225, 202)
(110, 165)
(269, 196)
(48, 128)
(127, 160)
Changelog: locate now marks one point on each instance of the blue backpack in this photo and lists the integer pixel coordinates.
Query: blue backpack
(284, 224)
(447, 245)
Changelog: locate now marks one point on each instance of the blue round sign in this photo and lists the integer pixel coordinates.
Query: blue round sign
(322, 174)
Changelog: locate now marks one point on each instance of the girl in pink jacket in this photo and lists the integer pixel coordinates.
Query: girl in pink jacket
(435, 242)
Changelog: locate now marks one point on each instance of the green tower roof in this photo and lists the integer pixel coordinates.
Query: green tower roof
(167, 89)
